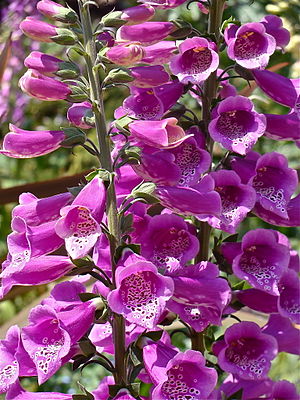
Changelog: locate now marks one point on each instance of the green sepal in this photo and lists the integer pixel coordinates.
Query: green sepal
(73, 137)
(64, 37)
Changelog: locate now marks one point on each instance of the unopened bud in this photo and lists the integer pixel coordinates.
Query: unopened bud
(77, 95)
(119, 75)
(56, 11)
(113, 20)
(64, 36)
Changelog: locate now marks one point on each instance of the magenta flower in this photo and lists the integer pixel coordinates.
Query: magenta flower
(141, 293)
(38, 211)
(56, 11)
(38, 30)
(237, 200)
(43, 87)
(185, 375)
(287, 336)
(282, 127)
(159, 53)
(80, 222)
(249, 45)
(149, 76)
(199, 200)
(273, 25)
(137, 14)
(20, 143)
(236, 125)
(49, 65)
(160, 134)
(196, 61)
(46, 341)
(146, 33)
(163, 3)
(200, 297)
(289, 299)
(262, 260)
(246, 351)
(125, 54)
(16, 392)
(274, 183)
(168, 242)
(77, 112)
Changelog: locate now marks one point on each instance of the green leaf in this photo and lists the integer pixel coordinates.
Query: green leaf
(87, 296)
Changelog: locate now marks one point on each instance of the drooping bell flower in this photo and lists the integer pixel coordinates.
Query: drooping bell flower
(49, 65)
(164, 3)
(196, 61)
(258, 300)
(43, 87)
(200, 296)
(137, 14)
(56, 11)
(20, 143)
(79, 224)
(16, 392)
(14, 360)
(236, 124)
(282, 127)
(287, 336)
(141, 293)
(273, 25)
(159, 53)
(77, 114)
(245, 167)
(146, 33)
(237, 200)
(249, 45)
(160, 134)
(149, 76)
(284, 390)
(262, 260)
(289, 299)
(197, 200)
(274, 183)
(168, 242)
(247, 352)
(44, 32)
(46, 341)
(126, 54)
(38, 211)
(36, 271)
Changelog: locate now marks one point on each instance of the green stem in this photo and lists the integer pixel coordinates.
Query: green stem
(106, 163)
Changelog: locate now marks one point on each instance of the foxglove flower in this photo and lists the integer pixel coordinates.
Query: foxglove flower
(43, 87)
(149, 76)
(79, 224)
(125, 54)
(236, 125)
(159, 53)
(137, 14)
(141, 293)
(262, 260)
(38, 211)
(46, 341)
(287, 336)
(196, 61)
(162, 134)
(246, 352)
(274, 183)
(20, 143)
(164, 3)
(273, 25)
(56, 11)
(49, 65)
(237, 200)
(282, 127)
(16, 392)
(249, 45)
(168, 243)
(185, 375)
(289, 299)
(199, 295)
(78, 112)
(146, 33)
(199, 200)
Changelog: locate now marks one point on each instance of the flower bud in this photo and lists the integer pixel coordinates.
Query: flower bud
(81, 115)
(43, 87)
(137, 14)
(113, 20)
(56, 11)
(119, 75)
(76, 95)
(73, 136)
(49, 65)
(44, 32)
(146, 33)
(126, 54)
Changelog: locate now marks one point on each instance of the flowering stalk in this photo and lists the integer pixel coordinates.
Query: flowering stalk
(106, 163)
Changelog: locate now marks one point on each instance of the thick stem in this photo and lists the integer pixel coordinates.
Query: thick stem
(106, 163)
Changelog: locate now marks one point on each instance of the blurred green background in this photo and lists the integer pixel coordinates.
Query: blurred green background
(51, 115)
